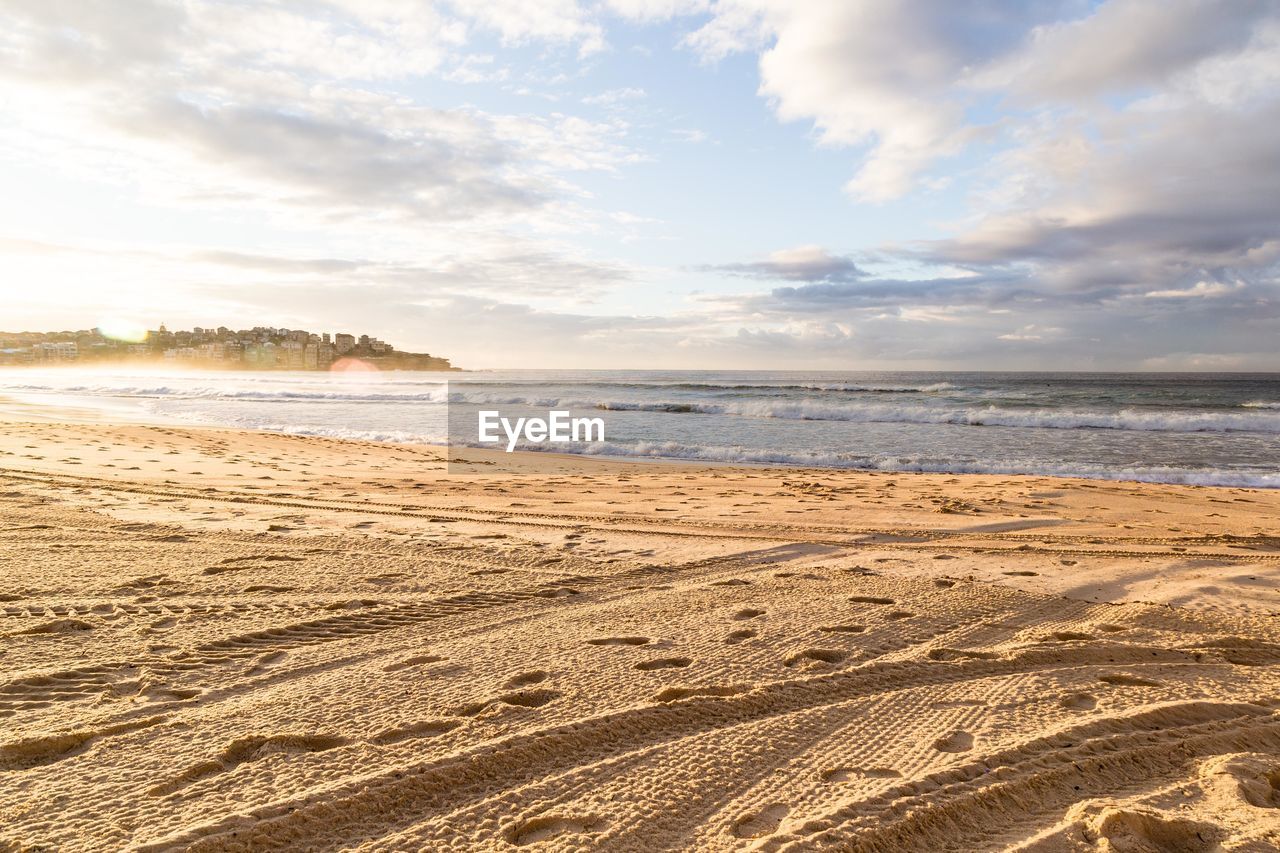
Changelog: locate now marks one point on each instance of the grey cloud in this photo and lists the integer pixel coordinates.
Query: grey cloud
(348, 164)
(807, 263)
(881, 76)
(1125, 44)
(899, 79)
(519, 270)
(875, 293)
(978, 330)
(274, 264)
(1201, 186)
(1188, 205)
(284, 118)
(58, 41)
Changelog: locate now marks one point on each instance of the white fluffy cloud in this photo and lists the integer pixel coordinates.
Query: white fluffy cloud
(1117, 163)
(1133, 183)
(883, 76)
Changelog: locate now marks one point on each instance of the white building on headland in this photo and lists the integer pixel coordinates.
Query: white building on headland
(60, 351)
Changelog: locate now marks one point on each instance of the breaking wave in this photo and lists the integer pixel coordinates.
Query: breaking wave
(976, 416)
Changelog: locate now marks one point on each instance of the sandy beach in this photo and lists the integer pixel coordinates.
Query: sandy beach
(220, 640)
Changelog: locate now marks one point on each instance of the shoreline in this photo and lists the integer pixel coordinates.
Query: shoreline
(13, 409)
(1198, 431)
(931, 501)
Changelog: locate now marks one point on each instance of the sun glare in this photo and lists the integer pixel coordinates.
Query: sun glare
(353, 365)
(121, 329)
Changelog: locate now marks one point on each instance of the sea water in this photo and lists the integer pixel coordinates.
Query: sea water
(1208, 429)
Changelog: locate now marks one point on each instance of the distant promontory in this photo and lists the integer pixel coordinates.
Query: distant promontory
(259, 348)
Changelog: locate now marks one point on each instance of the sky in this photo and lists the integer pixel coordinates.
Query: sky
(753, 184)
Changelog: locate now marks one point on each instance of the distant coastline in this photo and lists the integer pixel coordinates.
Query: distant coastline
(221, 348)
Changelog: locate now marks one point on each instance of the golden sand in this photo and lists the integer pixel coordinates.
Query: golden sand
(215, 640)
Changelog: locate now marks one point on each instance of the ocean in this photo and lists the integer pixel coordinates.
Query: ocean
(1206, 429)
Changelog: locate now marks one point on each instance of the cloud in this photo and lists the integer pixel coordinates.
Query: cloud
(1124, 45)
(280, 109)
(803, 263)
(691, 135)
(656, 10)
(517, 268)
(902, 81)
(1111, 172)
(519, 21)
(60, 43)
(1030, 333)
(882, 76)
(881, 294)
(1199, 290)
(273, 264)
(613, 97)
(438, 166)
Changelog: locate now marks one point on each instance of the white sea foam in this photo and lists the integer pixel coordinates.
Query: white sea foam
(926, 464)
(818, 459)
(808, 410)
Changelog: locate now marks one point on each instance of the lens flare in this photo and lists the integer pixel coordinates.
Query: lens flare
(123, 329)
(353, 365)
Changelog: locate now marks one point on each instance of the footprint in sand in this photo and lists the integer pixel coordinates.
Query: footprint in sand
(843, 629)
(222, 570)
(663, 663)
(748, 613)
(1124, 680)
(416, 660)
(1117, 828)
(529, 698)
(558, 592)
(675, 694)
(265, 661)
(426, 728)
(815, 656)
(547, 827)
(1079, 702)
(1070, 636)
(946, 654)
(870, 599)
(55, 626)
(761, 823)
(739, 636)
(519, 699)
(956, 741)
(619, 641)
(249, 749)
(524, 679)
